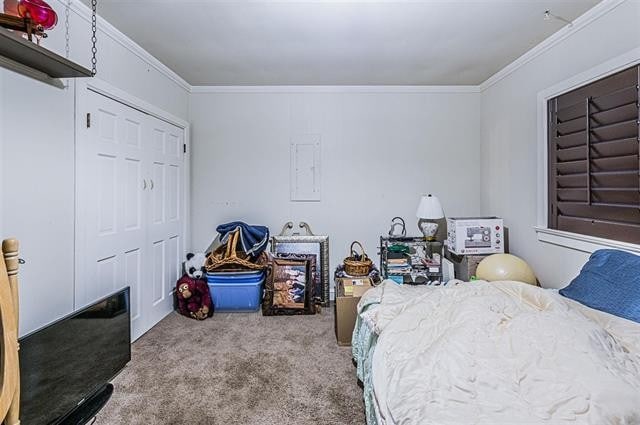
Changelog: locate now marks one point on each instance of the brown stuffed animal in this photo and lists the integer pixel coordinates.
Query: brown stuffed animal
(194, 299)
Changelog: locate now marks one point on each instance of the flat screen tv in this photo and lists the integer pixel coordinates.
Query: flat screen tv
(66, 367)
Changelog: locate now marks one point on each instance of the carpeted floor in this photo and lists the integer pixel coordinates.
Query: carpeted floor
(239, 368)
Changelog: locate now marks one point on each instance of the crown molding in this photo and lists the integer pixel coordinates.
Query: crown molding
(596, 12)
(585, 19)
(591, 15)
(116, 35)
(334, 89)
(104, 26)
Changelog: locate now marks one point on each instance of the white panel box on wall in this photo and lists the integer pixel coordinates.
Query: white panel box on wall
(305, 168)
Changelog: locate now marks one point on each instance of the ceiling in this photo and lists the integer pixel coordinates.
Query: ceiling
(329, 42)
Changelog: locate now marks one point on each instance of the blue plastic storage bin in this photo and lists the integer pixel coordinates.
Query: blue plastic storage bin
(236, 291)
(239, 277)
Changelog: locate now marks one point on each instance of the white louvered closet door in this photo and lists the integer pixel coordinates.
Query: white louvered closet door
(128, 230)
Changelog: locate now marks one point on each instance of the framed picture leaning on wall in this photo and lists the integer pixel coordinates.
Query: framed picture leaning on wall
(289, 288)
(308, 244)
(315, 282)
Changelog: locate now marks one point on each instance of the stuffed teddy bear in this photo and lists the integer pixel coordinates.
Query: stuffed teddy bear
(192, 291)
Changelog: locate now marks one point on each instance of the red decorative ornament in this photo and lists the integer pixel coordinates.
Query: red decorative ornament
(39, 12)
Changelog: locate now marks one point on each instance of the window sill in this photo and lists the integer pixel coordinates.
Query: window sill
(580, 242)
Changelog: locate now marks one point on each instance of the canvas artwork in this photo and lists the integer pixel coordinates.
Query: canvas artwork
(317, 246)
(289, 288)
(314, 282)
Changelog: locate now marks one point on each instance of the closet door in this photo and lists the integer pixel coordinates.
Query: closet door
(129, 169)
(164, 213)
(110, 204)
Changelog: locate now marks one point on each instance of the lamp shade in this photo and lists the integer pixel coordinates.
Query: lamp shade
(429, 208)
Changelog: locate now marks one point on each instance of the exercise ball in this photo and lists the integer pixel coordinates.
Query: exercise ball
(505, 267)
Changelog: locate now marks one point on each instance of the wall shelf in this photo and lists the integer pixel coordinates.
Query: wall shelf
(35, 61)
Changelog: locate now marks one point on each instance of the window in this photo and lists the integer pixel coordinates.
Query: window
(594, 164)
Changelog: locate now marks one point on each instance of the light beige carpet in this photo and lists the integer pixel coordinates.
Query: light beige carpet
(239, 368)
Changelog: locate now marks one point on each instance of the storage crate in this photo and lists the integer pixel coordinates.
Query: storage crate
(239, 277)
(236, 291)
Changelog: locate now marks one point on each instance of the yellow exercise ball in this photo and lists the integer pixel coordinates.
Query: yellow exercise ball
(505, 267)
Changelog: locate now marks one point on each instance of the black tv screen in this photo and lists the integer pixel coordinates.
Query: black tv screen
(67, 361)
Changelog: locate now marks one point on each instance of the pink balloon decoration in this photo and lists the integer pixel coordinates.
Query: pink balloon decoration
(39, 11)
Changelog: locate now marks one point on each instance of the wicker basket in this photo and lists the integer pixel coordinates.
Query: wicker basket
(357, 267)
(227, 258)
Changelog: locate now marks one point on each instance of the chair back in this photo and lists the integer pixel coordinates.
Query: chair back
(9, 362)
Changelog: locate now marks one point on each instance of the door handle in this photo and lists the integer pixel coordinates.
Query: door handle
(144, 184)
(151, 184)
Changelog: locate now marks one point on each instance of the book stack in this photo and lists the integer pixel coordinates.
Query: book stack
(398, 266)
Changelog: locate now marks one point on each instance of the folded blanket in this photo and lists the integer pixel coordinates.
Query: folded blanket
(253, 239)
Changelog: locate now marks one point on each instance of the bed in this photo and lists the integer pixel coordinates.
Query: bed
(494, 353)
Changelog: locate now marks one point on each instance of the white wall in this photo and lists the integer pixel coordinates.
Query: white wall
(509, 135)
(380, 151)
(37, 163)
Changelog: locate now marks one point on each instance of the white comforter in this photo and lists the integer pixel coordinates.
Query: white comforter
(503, 353)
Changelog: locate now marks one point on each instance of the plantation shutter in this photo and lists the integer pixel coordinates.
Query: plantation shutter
(594, 164)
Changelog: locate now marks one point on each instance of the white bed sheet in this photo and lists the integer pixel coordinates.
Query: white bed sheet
(502, 353)
(393, 298)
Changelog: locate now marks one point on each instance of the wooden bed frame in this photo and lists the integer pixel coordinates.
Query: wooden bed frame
(9, 308)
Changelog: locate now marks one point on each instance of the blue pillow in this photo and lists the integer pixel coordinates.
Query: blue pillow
(610, 282)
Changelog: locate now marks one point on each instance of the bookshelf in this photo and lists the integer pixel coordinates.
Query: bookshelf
(410, 260)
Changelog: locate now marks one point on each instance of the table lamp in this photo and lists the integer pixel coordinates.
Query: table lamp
(428, 211)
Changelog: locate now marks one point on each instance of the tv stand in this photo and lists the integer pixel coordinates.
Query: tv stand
(87, 410)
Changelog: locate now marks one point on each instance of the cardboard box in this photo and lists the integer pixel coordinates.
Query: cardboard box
(464, 265)
(475, 235)
(346, 310)
(356, 286)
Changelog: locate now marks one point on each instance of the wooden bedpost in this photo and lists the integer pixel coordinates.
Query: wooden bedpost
(11, 262)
